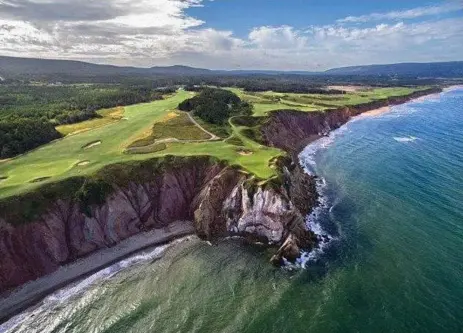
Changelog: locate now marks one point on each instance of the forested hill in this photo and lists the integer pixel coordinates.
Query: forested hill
(67, 70)
(432, 69)
(11, 67)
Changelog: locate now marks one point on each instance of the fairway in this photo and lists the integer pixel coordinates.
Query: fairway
(157, 129)
(267, 101)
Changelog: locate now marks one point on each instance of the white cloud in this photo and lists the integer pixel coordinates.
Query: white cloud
(283, 37)
(406, 14)
(159, 32)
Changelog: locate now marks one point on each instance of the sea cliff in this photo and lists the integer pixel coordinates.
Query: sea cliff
(292, 130)
(61, 222)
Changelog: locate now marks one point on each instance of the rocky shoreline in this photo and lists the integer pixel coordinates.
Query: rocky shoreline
(51, 227)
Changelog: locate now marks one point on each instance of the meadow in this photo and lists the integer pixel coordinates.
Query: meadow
(158, 129)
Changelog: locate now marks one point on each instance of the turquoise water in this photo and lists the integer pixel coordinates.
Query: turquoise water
(393, 205)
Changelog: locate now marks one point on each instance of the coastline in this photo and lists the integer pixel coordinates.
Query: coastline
(382, 110)
(322, 141)
(35, 291)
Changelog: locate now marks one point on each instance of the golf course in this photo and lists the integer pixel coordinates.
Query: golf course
(158, 128)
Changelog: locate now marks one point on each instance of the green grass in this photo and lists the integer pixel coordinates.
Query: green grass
(152, 122)
(108, 116)
(265, 102)
(58, 159)
(175, 125)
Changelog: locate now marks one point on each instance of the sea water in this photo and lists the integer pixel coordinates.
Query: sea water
(391, 259)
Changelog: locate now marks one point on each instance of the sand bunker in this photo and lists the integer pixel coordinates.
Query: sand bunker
(3, 178)
(38, 180)
(83, 163)
(92, 144)
(245, 152)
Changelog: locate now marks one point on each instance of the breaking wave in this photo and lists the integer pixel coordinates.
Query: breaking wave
(405, 138)
(63, 295)
(315, 220)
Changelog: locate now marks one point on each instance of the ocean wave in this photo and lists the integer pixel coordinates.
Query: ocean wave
(307, 159)
(62, 295)
(405, 138)
(307, 156)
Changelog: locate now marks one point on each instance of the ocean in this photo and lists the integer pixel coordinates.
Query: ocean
(391, 211)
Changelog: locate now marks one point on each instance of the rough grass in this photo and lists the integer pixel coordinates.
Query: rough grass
(265, 102)
(147, 149)
(235, 140)
(106, 116)
(222, 131)
(58, 159)
(175, 125)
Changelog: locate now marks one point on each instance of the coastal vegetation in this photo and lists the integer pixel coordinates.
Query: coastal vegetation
(159, 128)
(29, 112)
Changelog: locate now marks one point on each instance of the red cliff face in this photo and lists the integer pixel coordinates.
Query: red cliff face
(210, 194)
(217, 198)
(293, 130)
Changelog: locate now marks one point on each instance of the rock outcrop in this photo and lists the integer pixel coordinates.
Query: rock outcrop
(61, 222)
(221, 200)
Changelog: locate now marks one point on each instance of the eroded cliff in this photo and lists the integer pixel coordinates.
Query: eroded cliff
(58, 223)
(61, 222)
(292, 130)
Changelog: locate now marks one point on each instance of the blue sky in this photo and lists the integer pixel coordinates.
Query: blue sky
(240, 16)
(234, 34)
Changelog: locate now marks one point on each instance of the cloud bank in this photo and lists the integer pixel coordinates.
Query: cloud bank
(159, 32)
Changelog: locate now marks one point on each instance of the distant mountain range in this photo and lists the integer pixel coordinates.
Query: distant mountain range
(14, 67)
(431, 69)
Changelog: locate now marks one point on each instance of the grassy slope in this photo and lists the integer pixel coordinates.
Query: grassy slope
(108, 116)
(59, 159)
(265, 102)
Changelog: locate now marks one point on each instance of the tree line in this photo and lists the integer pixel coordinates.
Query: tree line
(216, 106)
(30, 112)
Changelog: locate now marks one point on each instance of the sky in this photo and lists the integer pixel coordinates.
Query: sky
(311, 35)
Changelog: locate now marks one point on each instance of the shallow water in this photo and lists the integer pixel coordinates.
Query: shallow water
(393, 207)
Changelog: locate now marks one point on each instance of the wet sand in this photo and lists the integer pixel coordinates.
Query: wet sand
(34, 291)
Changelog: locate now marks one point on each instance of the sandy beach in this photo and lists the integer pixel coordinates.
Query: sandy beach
(380, 111)
(34, 291)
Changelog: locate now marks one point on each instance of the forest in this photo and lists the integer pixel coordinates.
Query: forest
(216, 106)
(29, 113)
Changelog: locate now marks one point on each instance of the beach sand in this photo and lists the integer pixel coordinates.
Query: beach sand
(34, 291)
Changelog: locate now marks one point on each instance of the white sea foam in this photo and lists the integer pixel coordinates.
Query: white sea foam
(62, 295)
(307, 156)
(405, 138)
(307, 159)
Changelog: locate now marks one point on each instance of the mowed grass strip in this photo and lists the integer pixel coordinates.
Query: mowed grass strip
(267, 101)
(60, 159)
(106, 116)
(175, 125)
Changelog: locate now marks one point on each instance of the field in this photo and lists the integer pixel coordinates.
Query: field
(264, 102)
(158, 129)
